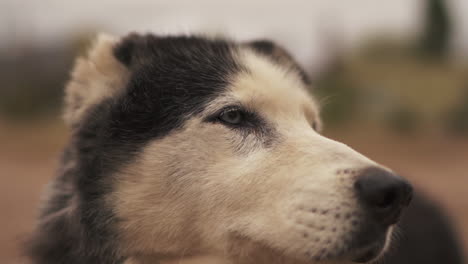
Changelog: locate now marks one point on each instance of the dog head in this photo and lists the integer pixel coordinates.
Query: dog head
(212, 147)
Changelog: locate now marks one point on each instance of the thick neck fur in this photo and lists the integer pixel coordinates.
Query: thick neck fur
(65, 234)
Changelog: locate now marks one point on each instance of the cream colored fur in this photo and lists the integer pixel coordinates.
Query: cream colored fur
(205, 190)
(95, 77)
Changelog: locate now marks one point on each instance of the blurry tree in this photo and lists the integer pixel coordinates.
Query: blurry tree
(437, 29)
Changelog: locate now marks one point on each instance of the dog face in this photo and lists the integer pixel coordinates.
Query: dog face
(210, 147)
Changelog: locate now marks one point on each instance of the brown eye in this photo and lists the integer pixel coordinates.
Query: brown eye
(232, 117)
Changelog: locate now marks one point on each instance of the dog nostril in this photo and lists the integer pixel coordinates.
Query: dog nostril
(383, 194)
(386, 200)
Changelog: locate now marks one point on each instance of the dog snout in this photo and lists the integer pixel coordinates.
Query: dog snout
(383, 194)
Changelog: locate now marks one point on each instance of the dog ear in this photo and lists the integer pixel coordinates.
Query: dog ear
(278, 54)
(96, 76)
(133, 48)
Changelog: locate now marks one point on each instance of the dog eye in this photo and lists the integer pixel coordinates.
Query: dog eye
(232, 117)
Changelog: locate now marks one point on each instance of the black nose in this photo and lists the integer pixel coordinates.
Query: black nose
(383, 194)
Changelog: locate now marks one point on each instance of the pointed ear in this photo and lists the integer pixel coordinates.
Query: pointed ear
(126, 51)
(278, 54)
(95, 77)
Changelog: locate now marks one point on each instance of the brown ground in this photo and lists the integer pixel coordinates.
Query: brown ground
(28, 158)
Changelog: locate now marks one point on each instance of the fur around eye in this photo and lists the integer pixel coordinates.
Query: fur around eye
(232, 117)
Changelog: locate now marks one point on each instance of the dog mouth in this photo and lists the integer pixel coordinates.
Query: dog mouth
(368, 253)
(370, 248)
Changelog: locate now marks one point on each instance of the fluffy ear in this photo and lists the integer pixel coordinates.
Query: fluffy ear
(278, 54)
(95, 77)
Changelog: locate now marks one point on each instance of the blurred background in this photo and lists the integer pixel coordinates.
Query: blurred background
(392, 77)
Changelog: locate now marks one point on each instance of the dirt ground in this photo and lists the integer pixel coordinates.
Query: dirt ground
(28, 158)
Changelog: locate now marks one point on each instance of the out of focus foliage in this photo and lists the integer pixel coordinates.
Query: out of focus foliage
(388, 83)
(33, 76)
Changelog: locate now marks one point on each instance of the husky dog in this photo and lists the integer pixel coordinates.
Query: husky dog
(189, 146)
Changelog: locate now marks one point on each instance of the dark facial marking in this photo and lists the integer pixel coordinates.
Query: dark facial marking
(171, 79)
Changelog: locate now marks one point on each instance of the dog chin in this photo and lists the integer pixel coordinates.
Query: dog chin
(369, 253)
(373, 250)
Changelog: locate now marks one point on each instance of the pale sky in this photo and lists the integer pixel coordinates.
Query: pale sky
(309, 28)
